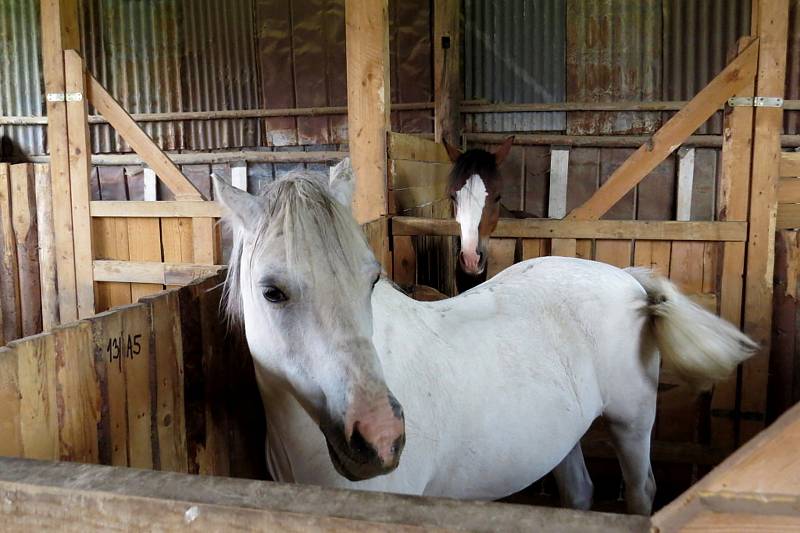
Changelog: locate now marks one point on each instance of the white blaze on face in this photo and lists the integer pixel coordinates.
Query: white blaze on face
(470, 200)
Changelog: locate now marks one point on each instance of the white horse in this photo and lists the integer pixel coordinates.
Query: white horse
(497, 385)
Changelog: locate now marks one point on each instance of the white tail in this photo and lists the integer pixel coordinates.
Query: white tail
(698, 346)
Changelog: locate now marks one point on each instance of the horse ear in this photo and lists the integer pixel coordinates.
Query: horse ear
(342, 182)
(452, 152)
(501, 153)
(244, 209)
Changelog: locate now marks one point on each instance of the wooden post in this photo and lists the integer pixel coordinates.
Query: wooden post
(773, 16)
(9, 278)
(368, 94)
(54, 82)
(23, 211)
(685, 183)
(447, 70)
(737, 148)
(80, 165)
(557, 200)
(47, 246)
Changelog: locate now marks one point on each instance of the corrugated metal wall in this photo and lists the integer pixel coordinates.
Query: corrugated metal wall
(613, 54)
(514, 53)
(21, 90)
(689, 64)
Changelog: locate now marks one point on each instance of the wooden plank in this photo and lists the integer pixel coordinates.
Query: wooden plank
(9, 272)
(377, 234)
(84, 497)
(368, 95)
(169, 397)
(734, 193)
(78, 397)
(583, 229)
(788, 216)
(186, 209)
(789, 164)
(54, 83)
(783, 364)
(654, 255)
(151, 272)
(80, 169)
(38, 407)
(136, 343)
(176, 241)
(127, 128)
(421, 174)
(150, 185)
(447, 69)
(533, 248)
(683, 210)
(111, 243)
(239, 176)
(501, 255)
(617, 253)
(755, 466)
(559, 169)
(23, 219)
(564, 247)
(11, 443)
(144, 245)
(753, 522)
(667, 139)
(47, 247)
(415, 148)
(772, 31)
(788, 191)
(404, 258)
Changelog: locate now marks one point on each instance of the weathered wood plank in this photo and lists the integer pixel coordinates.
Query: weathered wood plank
(144, 245)
(151, 272)
(80, 169)
(789, 164)
(38, 407)
(166, 209)
(79, 497)
(583, 229)
(47, 247)
(23, 219)
(368, 95)
(447, 37)
(501, 255)
(404, 257)
(667, 139)
(772, 31)
(11, 443)
(415, 148)
(9, 274)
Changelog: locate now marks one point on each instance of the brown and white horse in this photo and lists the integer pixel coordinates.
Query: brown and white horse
(476, 190)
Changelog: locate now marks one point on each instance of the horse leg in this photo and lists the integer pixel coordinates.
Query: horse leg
(575, 487)
(632, 444)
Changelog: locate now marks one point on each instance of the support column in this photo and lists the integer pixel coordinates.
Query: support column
(447, 70)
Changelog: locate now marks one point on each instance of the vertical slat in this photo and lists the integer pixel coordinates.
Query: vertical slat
(47, 247)
(239, 176)
(404, 259)
(38, 402)
(11, 443)
(501, 256)
(169, 398)
(737, 148)
(137, 344)
(772, 31)
(144, 244)
(77, 394)
(557, 199)
(533, 248)
(80, 173)
(9, 277)
(685, 183)
(54, 81)
(447, 69)
(368, 96)
(23, 207)
(654, 255)
(150, 185)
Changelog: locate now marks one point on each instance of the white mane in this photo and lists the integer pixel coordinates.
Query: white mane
(299, 207)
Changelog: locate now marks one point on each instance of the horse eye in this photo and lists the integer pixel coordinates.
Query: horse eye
(274, 295)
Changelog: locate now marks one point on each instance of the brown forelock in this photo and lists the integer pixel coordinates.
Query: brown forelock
(476, 161)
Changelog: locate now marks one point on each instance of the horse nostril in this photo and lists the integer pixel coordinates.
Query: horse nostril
(358, 443)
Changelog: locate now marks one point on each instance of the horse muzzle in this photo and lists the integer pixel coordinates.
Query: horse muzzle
(370, 442)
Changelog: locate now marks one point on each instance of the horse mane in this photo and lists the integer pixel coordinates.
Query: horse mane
(298, 207)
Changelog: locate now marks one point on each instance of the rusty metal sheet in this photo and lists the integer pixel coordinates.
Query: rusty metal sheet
(613, 54)
(514, 53)
(21, 86)
(698, 35)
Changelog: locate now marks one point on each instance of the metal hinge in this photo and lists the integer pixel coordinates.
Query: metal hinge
(758, 101)
(64, 97)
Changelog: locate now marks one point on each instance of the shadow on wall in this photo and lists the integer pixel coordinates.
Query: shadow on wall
(10, 152)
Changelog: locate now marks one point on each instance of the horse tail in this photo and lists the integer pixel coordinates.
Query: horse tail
(698, 346)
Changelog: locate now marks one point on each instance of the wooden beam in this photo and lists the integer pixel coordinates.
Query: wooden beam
(152, 272)
(23, 210)
(583, 229)
(186, 209)
(85, 497)
(9, 273)
(773, 35)
(737, 150)
(789, 191)
(80, 170)
(671, 135)
(181, 187)
(447, 70)
(54, 83)
(603, 141)
(788, 216)
(368, 95)
(47, 247)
